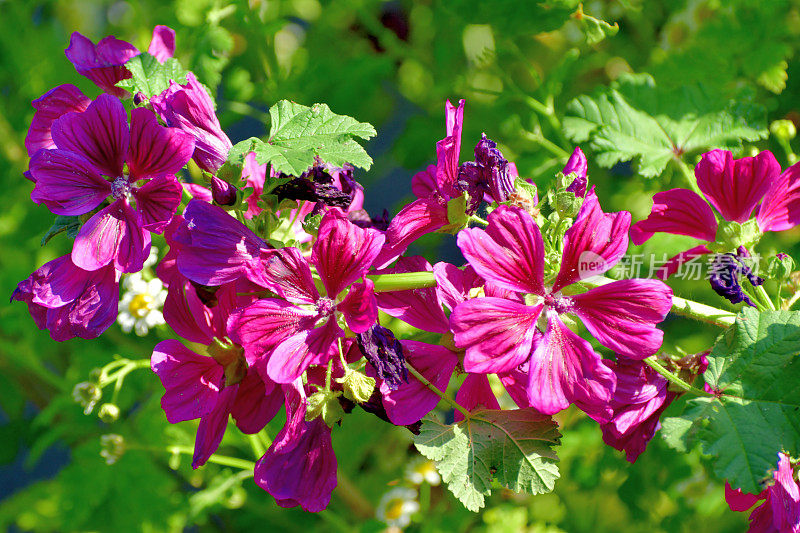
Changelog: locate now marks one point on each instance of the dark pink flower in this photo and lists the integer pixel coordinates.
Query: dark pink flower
(639, 400)
(500, 334)
(299, 467)
(578, 165)
(190, 108)
(301, 329)
(210, 387)
(780, 511)
(88, 166)
(104, 63)
(69, 301)
(734, 187)
(50, 106)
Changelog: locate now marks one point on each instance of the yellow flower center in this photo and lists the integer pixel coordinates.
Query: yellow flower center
(425, 468)
(140, 305)
(394, 509)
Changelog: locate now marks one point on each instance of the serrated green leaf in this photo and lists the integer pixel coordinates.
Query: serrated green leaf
(61, 224)
(299, 134)
(634, 119)
(150, 77)
(756, 367)
(515, 448)
(594, 29)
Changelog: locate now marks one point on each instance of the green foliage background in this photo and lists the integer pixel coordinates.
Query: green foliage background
(519, 65)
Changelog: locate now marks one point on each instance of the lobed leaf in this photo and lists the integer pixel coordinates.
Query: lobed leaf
(755, 367)
(151, 77)
(514, 448)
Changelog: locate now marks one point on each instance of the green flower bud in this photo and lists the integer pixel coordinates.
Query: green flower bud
(325, 404)
(456, 215)
(731, 235)
(357, 386)
(87, 394)
(112, 447)
(783, 129)
(567, 204)
(108, 413)
(780, 267)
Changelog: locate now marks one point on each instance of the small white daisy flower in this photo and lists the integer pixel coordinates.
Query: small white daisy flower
(422, 470)
(140, 306)
(397, 506)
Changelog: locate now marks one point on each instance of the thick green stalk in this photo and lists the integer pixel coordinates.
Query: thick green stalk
(436, 390)
(402, 282)
(653, 363)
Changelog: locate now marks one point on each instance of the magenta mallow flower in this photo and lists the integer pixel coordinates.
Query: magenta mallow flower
(98, 156)
(213, 385)
(50, 106)
(104, 63)
(299, 468)
(69, 301)
(190, 108)
(735, 188)
(301, 328)
(640, 398)
(500, 334)
(780, 510)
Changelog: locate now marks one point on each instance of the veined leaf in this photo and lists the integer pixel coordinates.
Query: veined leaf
(634, 119)
(61, 224)
(514, 448)
(151, 77)
(755, 367)
(299, 134)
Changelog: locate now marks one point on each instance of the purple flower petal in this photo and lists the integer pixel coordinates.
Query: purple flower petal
(674, 263)
(309, 347)
(622, 315)
(157, 202)
(212, 426)
(594, 243)
(287, 273)
(300, 470)
(186, 314)
(510, 252)
(113, 234)
(100, 134)
(741, 501)
(475, 393)
(156, 150)
(104, 64)
(680, 212)
(735, 186)
(58, 282)
(423, 183)
(360, 308)
(498, 334)
(579, 165)
(516, 384)
(255, 176)
(416, 219)
(256, 403)
(411, 401)
(564, 369)
(454, 284)
(162, 45)
(66, 183)
(780, 209)
(448, 150)
(343, 251)
(192, 381)
(216, 248)
(385, 356)
(50, 106)
(420, 308)
(190, 108)
(266, 323)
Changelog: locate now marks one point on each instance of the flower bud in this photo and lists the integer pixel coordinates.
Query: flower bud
(568, 204)
(223, 192)
(112, 446)
(357, 387)
(325, 404)
(87, 394)
(780, 266)
(783, 129)
(108, 413)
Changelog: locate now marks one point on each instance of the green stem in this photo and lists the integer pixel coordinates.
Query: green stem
(435, 389)
(653, 363)
(688, 175)
(258, 447)
(479, 220)
(791, 301)
(402, 282)
(761, 293)
(223, 460)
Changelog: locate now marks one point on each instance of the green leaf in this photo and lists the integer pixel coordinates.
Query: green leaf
(515, 448)
(151, 77)
(634, 119)
(594, 29)
(755, 366)
(299, 134)
(61, 224)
